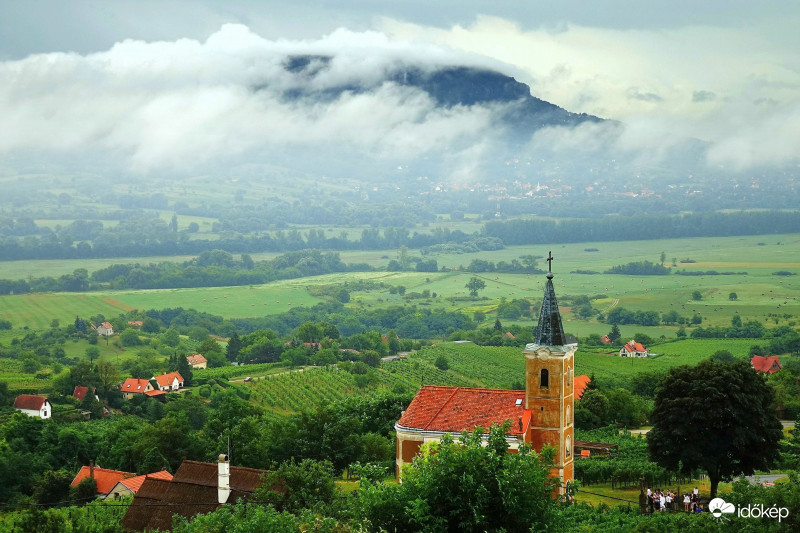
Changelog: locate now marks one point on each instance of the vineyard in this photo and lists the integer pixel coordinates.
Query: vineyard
(302, 390)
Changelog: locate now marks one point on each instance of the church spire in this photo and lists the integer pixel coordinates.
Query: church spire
(549, 332)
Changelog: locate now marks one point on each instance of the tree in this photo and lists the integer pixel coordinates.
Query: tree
(697, 295)
(715, 416)
(442, 363)
(614, 334)
(466, 486)
(234, 346)
(733, 296)
(474, 285)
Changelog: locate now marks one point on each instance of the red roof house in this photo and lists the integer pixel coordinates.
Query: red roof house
(765, 364)
(606, 339)
(197, 361)
(169, 382)
(105, 478)
(131, 485)
(80, 392)
(133, 386)
(457, 409)
(633, 349)
(33, 405)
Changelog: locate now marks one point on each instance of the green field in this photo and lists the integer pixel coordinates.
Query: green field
(761, 295)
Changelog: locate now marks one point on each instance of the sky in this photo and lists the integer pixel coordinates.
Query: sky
(138, 81)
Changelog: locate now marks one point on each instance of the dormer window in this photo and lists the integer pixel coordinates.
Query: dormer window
(544, 379)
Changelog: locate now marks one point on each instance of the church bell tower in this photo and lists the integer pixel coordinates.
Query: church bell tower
(549, 369)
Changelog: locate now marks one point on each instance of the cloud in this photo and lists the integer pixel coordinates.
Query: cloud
(185, 103)
(703, 96)
(741, 74)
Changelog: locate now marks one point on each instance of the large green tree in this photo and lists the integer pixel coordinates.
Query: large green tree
(715, 416)
(466, 486)
(474, 285)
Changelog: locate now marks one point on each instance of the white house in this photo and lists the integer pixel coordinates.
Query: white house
(105, 329)
(169, 382)
(33, 405)
(633, 349)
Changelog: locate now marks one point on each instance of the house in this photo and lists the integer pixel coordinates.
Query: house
(33, 405)
(130, 486)
(765, 364)
(633, 349)
(133, 386)
(196, 488)
(169, 382)
(508, 335)
(581, 383)
(605, 339)
(135, 323)
(197, 361)
(105, 329)
(540, 415)
(80, 392)
(103, 477)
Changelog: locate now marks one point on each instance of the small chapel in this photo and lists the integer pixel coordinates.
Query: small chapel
(540, 415)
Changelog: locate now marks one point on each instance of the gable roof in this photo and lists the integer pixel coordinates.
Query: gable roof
(30, 402)
(135, 483)
(457, 409)
(143, 504)
(766, 364)
(105, 479)
(196, 359)
(134, 385)
(107, 325)
(633, 346)
(165, 380)
(80, 392)
(579, 385)
(193, 490)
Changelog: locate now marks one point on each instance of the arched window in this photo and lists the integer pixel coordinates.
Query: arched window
(568, 450)
(544, 379)
(569, 418)
(568, 377)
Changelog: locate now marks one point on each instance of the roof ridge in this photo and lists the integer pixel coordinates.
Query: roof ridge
(455, 390)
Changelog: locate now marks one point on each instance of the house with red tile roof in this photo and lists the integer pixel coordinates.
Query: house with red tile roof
(105, 478)
(135, 323)
(133, 386)
(80, 392)
(197, 361)
(33, 405)
(605, 339)
(765, 364)
(169, 382)
(130, 486)
(105, 329)
(633, 349)
(541, 415)
(581, 383)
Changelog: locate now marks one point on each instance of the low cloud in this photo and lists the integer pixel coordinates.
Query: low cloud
(703, 96)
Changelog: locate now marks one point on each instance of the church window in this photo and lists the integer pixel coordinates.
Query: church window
(568, 449)
(569, 412)
(544, 379)
(569, 376)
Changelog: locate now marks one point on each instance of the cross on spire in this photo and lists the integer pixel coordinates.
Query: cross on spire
(549, 261)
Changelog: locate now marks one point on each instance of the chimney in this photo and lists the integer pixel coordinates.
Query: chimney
(223, 479)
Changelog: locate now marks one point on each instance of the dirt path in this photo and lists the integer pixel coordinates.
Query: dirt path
(266, 376)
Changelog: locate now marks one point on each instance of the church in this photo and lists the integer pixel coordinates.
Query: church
(540, 415)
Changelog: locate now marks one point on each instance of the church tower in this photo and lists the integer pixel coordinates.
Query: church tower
(549, 368)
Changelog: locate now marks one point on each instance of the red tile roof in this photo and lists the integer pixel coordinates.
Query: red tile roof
(155, 392)
(196, 359)
(29, 401)
(579, 386)
(105, 479)
(606, 339)
(134, 385)
(766, 364)
(165, 380)
(107, 325)
(135, 483)
(633, 346)
(80, 392)
(457, 409)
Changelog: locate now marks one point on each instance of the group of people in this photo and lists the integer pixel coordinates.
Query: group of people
(666, 500)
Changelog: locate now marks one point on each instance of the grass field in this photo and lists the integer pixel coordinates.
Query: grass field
(760, 294)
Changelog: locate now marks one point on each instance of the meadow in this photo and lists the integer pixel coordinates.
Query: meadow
(760, 294)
